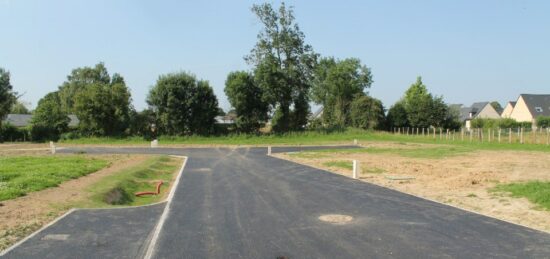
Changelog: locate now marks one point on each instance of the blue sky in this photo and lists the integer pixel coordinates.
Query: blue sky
(466, 51)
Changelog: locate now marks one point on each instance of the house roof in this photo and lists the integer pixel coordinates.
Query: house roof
(23, 120)
(474, 110)
(513, 104)
(477, 107)
(318, 113)
(18, 120)
(538, 104)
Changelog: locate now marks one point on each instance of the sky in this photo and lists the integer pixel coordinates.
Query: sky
(466, 51)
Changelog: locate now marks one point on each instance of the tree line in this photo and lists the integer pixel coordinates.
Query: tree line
(285, 76)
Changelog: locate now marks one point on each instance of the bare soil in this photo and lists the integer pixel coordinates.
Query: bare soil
(26, 214)
(463, 181)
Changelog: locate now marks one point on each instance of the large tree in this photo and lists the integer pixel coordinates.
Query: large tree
(79, 79)
(104, 109)
(367, 112)
(19, 108)
(7, 96)
(183, 105)
(246, 97)
(423, 109)
(49, 119)
(101, 102)
(336, 84)
(397, 116)
(283, 66)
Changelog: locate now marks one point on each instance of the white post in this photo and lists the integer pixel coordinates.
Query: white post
(355, 169)
(154, 143)
(52, 147)
(269, 150)
(355, 141)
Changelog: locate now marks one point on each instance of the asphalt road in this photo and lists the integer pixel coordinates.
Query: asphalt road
(240, 203)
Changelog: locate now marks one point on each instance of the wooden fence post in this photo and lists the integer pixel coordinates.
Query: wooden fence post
(481, 132)
(499, 131)
(521, 136)
(510, 136)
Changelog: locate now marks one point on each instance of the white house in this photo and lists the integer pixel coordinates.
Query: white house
(529, 106)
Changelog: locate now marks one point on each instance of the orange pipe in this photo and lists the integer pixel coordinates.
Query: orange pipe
(150, 193)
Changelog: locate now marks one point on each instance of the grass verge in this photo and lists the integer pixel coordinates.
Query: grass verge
(118, 189)
(340, 164)
(310, 138)
(23, 174)
(422, 152)
(536, 192)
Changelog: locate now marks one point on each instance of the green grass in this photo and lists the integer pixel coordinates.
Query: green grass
(340, 164)
(536, 192)
(373, 170)
(143, 177)
(310, 138)
(24, 174)
(435, 152)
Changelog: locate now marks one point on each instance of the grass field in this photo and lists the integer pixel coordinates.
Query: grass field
(21, 175)
(535, 191)
(119, 188)
(436, 152)
(340, 164)
(310, 138)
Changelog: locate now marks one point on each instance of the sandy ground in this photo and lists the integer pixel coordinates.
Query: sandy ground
(462, 181)
(24, 215)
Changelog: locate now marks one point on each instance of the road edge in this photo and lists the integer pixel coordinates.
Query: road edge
(153, 242)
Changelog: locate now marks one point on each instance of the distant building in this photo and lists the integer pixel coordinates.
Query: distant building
(318, 114)
(24, 120)
(478, 110)
(529, 106)
(226, 119)
(508, 110)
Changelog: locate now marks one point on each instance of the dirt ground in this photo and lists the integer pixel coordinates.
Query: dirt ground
(462, 181)
(26, 214)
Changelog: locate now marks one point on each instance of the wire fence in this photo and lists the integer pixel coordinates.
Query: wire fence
(494, 135)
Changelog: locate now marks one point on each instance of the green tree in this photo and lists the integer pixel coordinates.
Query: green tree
(19, 108)
(104, 108)
(497, 106)
(418, 104)
(49, 119)
(424, 110)
(7, 95)
(452, 119)
(141, 122)
(183, 105)
(246, 97)
(336, 84)
(79, 80)
(283, 66)
(367, 112)
(397, 115)
(543, 121)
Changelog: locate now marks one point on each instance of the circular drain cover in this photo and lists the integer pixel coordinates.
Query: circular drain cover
(336, 218)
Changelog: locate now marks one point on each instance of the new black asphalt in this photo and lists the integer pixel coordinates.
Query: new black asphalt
(240, 203)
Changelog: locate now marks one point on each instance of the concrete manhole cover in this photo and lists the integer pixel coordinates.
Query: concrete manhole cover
(336, 218)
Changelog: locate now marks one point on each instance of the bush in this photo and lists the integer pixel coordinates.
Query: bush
(543, 121)
(70, 135)
(117, 196)
(11, 133)
(41, 133)
(506, 123)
